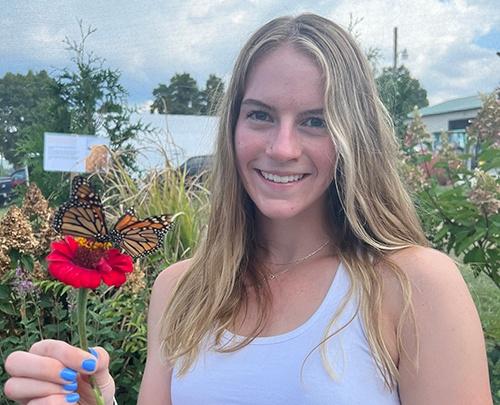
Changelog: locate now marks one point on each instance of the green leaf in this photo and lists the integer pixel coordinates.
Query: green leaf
(469, 240)
(4, 292)
(441, 233)
(475, 255)
(8, 308)
(27, 262)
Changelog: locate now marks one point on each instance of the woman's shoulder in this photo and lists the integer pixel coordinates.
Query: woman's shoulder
(169, 277)
(445, 346)
(165, 283)
(435, 282)
(155, 387)
(428, 270)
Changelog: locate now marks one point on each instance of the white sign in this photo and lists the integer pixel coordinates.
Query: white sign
(74, 153)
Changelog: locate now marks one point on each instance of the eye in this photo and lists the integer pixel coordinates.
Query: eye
(314, 122)
(259, 116)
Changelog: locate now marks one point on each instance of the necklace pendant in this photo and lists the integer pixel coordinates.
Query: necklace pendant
(273, 276)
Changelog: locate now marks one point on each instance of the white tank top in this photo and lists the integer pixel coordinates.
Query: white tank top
(271, 370)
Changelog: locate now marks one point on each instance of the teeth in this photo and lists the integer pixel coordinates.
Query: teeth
(281, 179)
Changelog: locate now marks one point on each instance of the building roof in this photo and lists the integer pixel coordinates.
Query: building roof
(458, 104)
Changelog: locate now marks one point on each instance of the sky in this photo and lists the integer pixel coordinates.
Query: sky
(450, 45)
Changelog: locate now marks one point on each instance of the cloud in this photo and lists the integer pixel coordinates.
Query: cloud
(150, 41)
(439, 38)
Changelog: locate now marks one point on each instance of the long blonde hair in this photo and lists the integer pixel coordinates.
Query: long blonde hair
(371, 212)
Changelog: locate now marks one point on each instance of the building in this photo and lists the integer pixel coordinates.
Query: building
(175, 138)
(452, 116)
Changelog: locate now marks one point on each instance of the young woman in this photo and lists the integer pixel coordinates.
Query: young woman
(313, 284)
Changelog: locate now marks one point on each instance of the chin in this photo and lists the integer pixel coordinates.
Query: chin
(280, 210)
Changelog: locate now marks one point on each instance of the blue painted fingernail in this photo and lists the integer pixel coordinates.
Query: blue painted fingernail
(68, 374)
(72, 398)
(93, 351)
(89, 364)
(71, 387)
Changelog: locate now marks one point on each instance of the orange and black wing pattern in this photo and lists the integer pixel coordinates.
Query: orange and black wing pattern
(83, 214)
(139, 237)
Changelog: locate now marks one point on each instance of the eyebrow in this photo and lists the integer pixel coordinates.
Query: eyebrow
(251, 101)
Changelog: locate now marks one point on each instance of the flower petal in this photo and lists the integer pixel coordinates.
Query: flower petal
(111, 268)
(120, 262)
(114, 278)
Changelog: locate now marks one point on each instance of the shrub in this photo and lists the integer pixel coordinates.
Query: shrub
(35, 307)
(457, 195)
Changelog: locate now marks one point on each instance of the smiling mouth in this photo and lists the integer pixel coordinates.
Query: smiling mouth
(281, 179)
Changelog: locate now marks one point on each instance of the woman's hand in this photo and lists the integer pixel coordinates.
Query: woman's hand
(54, 372)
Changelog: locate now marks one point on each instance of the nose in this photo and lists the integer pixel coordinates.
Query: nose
(284, 143)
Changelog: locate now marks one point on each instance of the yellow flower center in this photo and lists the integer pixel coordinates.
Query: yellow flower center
(93, 245)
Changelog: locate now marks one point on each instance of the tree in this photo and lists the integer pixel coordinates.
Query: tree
(161, 103)
(182, 96)
(212, 95)
(96, 100)
(28, 102)
(400, 93)
(29, 106)
(372, 54)
(87, 99)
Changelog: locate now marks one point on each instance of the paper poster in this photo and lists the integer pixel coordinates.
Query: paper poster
(74, 153)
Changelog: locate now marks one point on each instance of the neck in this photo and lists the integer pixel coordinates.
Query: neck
(284, 240)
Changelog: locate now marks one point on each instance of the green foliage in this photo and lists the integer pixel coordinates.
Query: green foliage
(116, 321)
(96, 100)
(212, 95)
(86, 98)
(487, 300)
(458, 199)
(29, 106)
(493, 351)
(34, 307)
(461, 213)
(182, 96)
(400, 93)
(27, 103)
(166, 191)
(161, 102)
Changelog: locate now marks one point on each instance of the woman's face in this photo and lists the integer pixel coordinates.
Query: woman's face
(285, 155)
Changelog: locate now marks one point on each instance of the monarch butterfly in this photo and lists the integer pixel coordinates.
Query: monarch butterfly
(83, 216)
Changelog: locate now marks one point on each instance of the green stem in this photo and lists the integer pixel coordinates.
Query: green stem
(84, 344)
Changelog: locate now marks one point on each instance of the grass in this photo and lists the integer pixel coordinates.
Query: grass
(487, 299)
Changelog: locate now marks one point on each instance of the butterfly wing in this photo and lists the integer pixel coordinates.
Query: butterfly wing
(83, 214)
(82, 192)
(140, 237)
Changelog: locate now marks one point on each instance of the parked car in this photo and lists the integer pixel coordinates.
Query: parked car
(8, 184)
(197, 167)
(5, 190)
(18, 177)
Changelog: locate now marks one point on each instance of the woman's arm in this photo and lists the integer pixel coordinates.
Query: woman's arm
(452, 364)
(155, 386)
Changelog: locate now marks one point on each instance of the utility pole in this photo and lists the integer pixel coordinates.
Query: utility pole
(395, 64)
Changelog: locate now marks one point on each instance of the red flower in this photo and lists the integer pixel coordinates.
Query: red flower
(83, 264)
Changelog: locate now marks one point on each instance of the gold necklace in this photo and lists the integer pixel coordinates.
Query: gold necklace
(274, 276)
